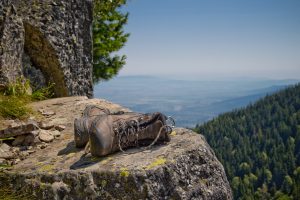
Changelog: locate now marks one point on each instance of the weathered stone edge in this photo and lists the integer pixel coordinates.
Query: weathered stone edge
(195, 172)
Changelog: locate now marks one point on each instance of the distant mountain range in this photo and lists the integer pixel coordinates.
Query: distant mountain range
(190, 102)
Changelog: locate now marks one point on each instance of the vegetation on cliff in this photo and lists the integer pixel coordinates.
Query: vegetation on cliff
(108, 38)
(259, 146)
(15, 97)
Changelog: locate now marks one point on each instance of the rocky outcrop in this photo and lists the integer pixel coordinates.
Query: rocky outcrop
(55, 35)
(185, 168)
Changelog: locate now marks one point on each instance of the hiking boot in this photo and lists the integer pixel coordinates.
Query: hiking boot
(83, 124)
(111, 133)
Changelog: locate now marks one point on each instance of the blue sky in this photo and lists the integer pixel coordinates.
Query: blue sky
(211, 39)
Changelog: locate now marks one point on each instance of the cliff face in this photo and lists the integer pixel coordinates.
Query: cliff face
(55, 35)
(185, 168)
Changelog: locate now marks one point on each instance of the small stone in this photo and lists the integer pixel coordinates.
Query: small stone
(23, 155)
(15, 150)
(3, 161)
(117, 185)
(60, 127)
(56, 134)
(45, 126)
(13, 124)
(42, 146)
(16, 161)
(46, 136)
(4, 147)
(5, 151)
(48, 113)
(31, 151)
(31, 120)
(19, 140)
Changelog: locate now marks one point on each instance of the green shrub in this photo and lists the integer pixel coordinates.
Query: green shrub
(44, 93)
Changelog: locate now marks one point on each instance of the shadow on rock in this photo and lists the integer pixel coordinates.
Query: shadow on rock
(70, 148)
(86, 161)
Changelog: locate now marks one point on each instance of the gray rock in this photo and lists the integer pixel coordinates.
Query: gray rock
(42, 146)
(21, 129)
(47, 40)
(185, 168)
(3, 161)
(5, 147)
(60, 127)
(23, 155)
(14, 124)
(56, 133)
(16, 161)
(46, 136)
(45, 126)
(48, 113)
(5, 151)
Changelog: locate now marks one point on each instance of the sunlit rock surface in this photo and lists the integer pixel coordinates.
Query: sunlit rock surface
(185, 168)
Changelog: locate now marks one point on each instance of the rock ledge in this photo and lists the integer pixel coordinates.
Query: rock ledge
(186, 168)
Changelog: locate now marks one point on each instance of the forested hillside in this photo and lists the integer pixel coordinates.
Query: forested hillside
(259, 146)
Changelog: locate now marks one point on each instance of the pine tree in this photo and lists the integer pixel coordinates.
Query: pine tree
(108, 38)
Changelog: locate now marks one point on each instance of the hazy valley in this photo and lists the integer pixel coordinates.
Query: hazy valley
(189, 101)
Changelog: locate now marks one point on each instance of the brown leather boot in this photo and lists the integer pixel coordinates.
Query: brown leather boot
(111, 133)
(83, 124)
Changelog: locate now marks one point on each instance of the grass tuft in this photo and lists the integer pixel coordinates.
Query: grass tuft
(14, 107)
(44, 93)
(15, 97)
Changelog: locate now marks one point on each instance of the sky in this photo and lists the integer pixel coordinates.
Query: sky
(211, 39)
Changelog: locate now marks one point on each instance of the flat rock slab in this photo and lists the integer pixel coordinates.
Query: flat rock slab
(18, 130)
(185, 168)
